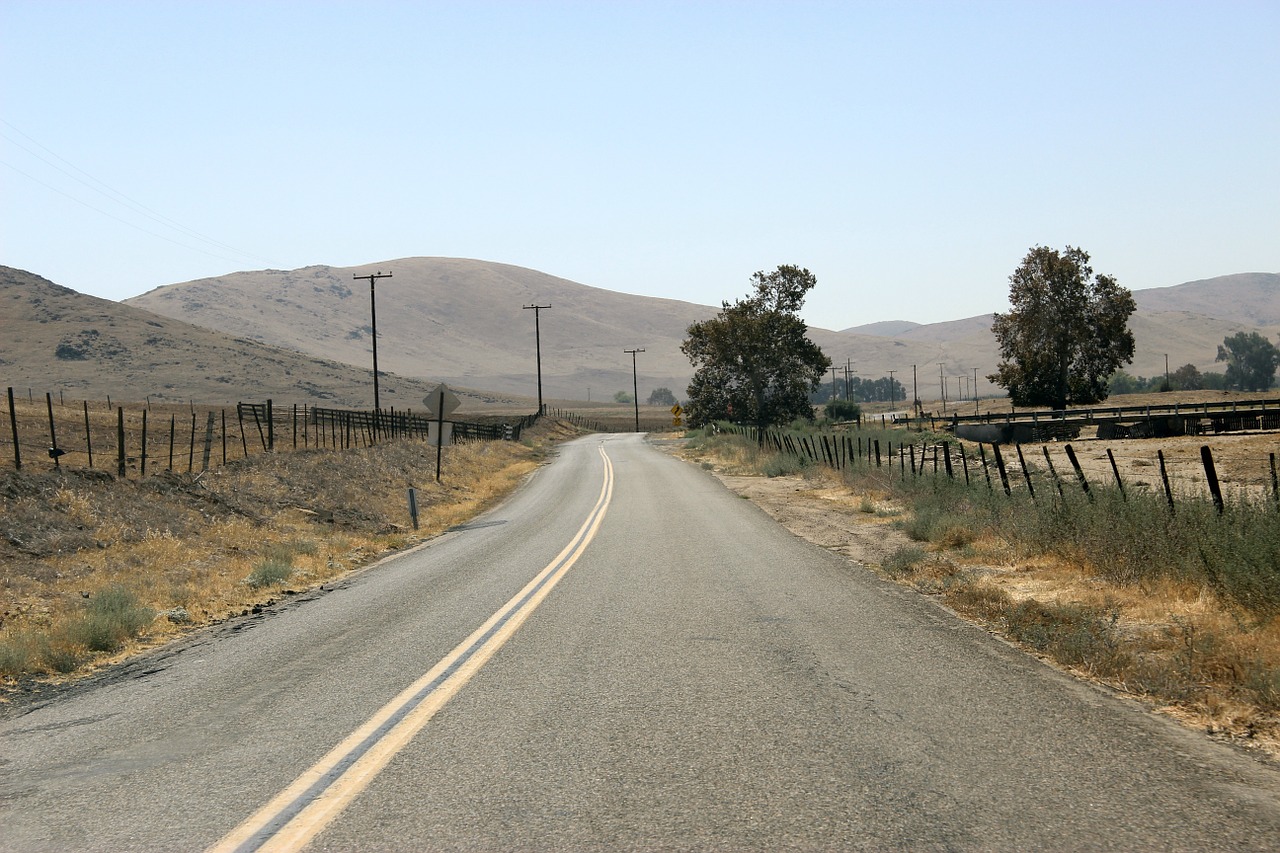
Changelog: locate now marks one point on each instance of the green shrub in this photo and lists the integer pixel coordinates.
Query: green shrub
(904, 560)
(269, 572)
(843, 410)
(111, 617)
(781, 464)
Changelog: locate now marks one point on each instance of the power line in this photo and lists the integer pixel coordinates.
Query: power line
(116, 218)
(109, 192)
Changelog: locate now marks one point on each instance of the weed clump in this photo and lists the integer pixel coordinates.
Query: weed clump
(111, 617)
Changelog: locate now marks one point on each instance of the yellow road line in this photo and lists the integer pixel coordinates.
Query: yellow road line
(299, 812)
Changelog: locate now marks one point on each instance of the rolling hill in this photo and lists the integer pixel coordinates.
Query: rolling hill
(304, 336)
(463, 320)
(57, 340)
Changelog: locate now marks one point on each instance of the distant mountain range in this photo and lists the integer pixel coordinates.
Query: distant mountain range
(305, 334)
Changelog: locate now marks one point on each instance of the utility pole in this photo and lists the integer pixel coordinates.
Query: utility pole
(373, 320)
(915, 392)
(1167, 386)
(834, 392)
(848, 368)
(892, 396)
(537, 343)
(975, 392)
(943, 382)
(635, 388)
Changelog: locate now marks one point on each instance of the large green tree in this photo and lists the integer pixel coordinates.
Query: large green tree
(1251, 361)
(1066, 333)
(753, 362)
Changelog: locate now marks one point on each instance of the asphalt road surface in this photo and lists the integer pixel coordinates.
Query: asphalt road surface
(623, 656)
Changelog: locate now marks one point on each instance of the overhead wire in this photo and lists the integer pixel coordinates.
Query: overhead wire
(113, 216)
(106, 190)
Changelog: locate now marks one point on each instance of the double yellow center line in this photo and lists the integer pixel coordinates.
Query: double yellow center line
(299, 812)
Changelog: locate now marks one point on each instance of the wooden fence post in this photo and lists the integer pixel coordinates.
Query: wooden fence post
(208, 442)
(13, 424)
(88, 435)
(173, 425)
(120, 454)
(53, 437)
(982, 452)
(1052, 471)
(1004, 475)
(1275, 483)
(1211, 473)
(964, 462)
(1115, 469)
(191, 449)
(946, 455)
(1026, 473)
(142, 460)
(1075, 463)
(877, 448)
(1164, 478)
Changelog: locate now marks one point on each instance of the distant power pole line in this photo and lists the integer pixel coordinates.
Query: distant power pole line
(373, 320)
(537, 345)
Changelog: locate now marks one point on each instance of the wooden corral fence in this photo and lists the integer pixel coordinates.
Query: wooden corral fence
(985, 463)
(1116, 422)
(145, 438)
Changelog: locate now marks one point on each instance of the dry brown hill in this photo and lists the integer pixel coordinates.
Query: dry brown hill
(461, 320)
(56, 340)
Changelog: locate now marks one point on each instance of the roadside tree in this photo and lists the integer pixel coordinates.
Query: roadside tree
(1251, 361)
(662, 397)
(1067, 331)
(753, 362)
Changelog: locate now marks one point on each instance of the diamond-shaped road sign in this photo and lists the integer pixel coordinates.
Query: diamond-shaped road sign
(441, 402)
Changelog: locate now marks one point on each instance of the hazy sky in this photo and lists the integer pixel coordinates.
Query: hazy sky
(909, 154)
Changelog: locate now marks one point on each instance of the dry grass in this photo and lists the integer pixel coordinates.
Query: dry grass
(1170, 641)
(190, 549)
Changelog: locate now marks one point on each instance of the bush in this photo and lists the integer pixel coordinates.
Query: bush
(904, 561)
(111, 617)
(781, 464)
(843, 410)
(269, 572)
(1069, 633)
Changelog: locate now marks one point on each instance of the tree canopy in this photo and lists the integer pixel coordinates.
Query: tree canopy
(1251, 361)
(662, 397)
(753, 362)
(1066, 333)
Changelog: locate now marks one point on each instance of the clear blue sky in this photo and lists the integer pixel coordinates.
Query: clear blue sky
(909, 154)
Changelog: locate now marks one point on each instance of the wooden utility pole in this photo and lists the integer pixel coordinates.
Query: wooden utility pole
(373, 321)
(635, 388)
(537, 344)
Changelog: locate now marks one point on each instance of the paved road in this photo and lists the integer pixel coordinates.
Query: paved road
(665, 669)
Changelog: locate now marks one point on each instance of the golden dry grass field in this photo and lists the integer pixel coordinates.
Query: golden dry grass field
(94, 567)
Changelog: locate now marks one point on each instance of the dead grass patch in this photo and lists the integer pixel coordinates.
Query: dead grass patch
(203, 547)
(1168, 639)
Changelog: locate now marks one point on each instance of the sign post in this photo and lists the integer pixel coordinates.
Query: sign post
(441, 402)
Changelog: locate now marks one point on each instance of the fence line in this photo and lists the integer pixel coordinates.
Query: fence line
(947, 457)
(128, 438)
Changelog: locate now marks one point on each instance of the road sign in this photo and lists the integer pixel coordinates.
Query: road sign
(433, 402)
(676, 412)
